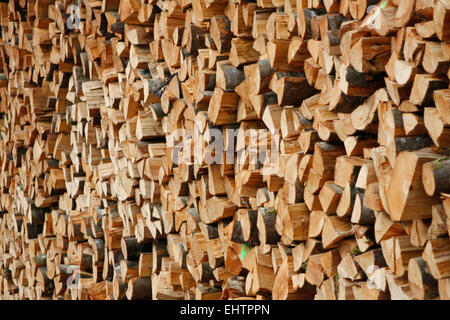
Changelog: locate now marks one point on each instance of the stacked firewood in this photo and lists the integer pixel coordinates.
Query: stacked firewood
(225, 149)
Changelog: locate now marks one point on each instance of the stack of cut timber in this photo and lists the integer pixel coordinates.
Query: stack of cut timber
(225, 149)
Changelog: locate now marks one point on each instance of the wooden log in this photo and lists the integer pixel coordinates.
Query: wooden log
(397, 211)
(435, 255)
(441, 100)
(422, 283)
(441, 20)
(397, 252)
(435, 127)
(434, 176)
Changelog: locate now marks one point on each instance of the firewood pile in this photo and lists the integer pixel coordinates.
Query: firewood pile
(225, 149)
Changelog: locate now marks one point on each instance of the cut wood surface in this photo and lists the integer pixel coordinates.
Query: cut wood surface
(225, 149)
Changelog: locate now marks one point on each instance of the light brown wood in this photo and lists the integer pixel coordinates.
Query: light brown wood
(224, 149)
